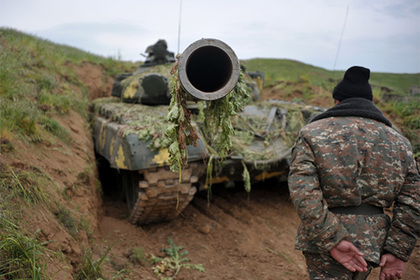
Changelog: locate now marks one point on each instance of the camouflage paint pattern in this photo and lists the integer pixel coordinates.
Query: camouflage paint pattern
(344, 161)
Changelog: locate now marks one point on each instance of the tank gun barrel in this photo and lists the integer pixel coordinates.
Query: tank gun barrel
(208, 69)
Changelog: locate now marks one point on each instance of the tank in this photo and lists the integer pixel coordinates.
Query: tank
(129, 128)
(129, 131)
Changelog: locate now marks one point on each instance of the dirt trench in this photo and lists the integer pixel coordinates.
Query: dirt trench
(235, 235)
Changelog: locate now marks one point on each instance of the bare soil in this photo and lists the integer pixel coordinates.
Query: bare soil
(234, 235)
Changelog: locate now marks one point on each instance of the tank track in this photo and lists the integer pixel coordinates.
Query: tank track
(161, 197)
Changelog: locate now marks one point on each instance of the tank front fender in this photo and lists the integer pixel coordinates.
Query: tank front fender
(131, 153)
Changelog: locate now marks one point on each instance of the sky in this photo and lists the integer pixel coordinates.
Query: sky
(382, 35)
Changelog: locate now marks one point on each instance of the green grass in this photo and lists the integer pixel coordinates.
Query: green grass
(409, 111)
(53, 127)
(37, 81)
(399, 83)
(21, 257)
(67, 219)
(277, 70)
(23, 184)
(90, 269)
(72, 223)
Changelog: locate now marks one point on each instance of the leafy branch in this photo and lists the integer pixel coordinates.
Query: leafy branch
(180, 132)
(217, 124)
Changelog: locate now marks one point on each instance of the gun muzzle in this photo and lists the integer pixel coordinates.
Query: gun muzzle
(208, 69)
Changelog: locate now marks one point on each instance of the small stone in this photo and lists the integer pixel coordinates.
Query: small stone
(205, 229)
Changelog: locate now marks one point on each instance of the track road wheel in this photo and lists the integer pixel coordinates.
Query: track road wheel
(158, 196)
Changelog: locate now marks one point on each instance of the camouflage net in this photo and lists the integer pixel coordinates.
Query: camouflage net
(148, 122)
(231, 136)
(248, 127)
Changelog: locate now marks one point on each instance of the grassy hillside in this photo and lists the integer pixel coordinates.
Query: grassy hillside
(43, 107)
(35, 74)
(276, 70)
(46, 229)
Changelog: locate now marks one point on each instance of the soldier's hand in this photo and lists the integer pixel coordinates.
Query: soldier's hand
(391, 267)
(349, 256)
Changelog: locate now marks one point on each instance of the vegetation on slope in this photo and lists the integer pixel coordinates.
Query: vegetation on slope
(38, 86)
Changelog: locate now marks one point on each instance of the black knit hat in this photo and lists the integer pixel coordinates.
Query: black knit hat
(354, 84)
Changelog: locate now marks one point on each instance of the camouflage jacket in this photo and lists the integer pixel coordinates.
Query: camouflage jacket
(344, 161)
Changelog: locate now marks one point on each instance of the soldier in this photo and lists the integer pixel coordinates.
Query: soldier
(348, 164)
